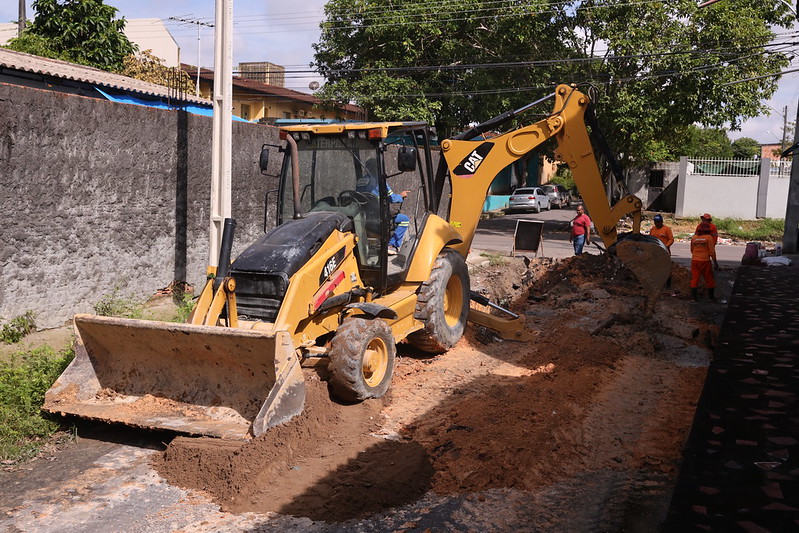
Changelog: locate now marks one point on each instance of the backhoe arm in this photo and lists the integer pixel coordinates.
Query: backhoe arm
(474, 165)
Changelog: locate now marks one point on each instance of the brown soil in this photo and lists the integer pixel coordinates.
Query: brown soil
(600, 403)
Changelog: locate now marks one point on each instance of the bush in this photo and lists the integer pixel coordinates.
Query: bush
(23, 381)
(186, 305)
(116, 305)
(14, 330)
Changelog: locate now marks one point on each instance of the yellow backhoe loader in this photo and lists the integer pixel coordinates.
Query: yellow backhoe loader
(324, 286)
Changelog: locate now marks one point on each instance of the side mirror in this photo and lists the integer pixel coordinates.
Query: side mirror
(263, 161)
(406, 159)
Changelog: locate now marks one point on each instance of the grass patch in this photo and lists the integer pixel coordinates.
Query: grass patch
(24, 379)
(15, 329)
(115, 304)
(764, 229)
(495, 258)
(185, 305)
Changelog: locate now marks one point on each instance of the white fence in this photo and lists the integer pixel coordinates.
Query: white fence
(733, 188)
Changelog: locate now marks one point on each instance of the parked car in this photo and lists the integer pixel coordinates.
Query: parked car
(529, 198)
(558, 195)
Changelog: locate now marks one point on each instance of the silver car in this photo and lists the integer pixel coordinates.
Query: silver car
(529, 198)
(558, 195)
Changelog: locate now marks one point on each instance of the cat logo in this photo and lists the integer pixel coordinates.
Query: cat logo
(472, 162)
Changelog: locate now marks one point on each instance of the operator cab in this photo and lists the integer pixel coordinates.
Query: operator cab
(361, 170)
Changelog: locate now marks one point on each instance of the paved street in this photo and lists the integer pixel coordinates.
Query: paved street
(496, 234)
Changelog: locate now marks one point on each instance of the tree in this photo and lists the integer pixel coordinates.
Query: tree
(745, 148)
(81, 31)
(145, 66)
(660, 66)
(703, 143)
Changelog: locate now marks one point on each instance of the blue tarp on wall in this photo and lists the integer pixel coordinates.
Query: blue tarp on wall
(159, 104)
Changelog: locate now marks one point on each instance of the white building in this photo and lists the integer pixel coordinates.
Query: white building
(147, 34)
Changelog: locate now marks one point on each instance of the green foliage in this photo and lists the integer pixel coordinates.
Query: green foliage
(495, 258)
(764, 229)
(16, 328)
(81, 31)
(31, 43)
(745, 148)
(23, 381)
(147, 67)
(564, 177)
(117, 305)
(705, 143)
(660, 66)
(186, 305)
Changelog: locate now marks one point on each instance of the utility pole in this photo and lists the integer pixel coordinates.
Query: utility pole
(221, 146)
(783, 146)
(22, 17)
(198, 23)
(790, 237)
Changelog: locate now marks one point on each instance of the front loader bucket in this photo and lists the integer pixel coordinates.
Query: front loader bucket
(198, 380)
(649, 260)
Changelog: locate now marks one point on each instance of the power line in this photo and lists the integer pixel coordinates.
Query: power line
(198, 23)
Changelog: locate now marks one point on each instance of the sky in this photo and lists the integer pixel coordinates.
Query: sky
(283, 33)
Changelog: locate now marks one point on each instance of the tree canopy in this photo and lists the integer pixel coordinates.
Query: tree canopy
(745, 148)
(81, 31)
(659, 66)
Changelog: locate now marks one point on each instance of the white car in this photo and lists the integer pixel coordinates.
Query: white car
(529, 198)
(558, 195)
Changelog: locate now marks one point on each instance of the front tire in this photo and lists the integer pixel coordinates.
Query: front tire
(442, 304)
(362, 355)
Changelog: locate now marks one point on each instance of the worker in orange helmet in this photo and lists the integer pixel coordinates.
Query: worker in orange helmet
(714, 232)
(703, 251)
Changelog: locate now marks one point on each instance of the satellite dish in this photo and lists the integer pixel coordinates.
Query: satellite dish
(313, 85)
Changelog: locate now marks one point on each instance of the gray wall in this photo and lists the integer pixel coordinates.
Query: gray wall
(96, 195)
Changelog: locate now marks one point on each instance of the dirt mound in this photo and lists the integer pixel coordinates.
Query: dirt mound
(603, 388)
(323, 464)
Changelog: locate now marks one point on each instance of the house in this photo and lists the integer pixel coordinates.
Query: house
(19, 68)
(262, 102)
(151, 34)
(772, 151)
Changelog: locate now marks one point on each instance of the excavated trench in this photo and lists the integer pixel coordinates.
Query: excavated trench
(581, 429)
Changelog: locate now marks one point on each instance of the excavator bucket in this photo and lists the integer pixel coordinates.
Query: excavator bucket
(649, 260)
(197, 380)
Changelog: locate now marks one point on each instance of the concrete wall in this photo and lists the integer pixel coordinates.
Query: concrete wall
(724, 196)
(96, 195)
(739, 196)
(777, 199)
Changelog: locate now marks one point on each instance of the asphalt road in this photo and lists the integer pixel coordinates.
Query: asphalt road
(497, 234)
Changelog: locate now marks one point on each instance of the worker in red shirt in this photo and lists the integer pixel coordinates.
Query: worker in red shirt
(714, 232)
(703, 251)
(580, 234)
(662, 232)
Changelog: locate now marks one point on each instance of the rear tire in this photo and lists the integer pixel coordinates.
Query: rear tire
(442, 304)
(537, 208)
(362, 355)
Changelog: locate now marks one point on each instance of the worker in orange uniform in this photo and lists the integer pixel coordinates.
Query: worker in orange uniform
(714, 231)
(662, 232)
(703, 251)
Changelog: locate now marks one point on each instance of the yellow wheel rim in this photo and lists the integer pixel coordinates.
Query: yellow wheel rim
(375, 362)
(453, 301)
